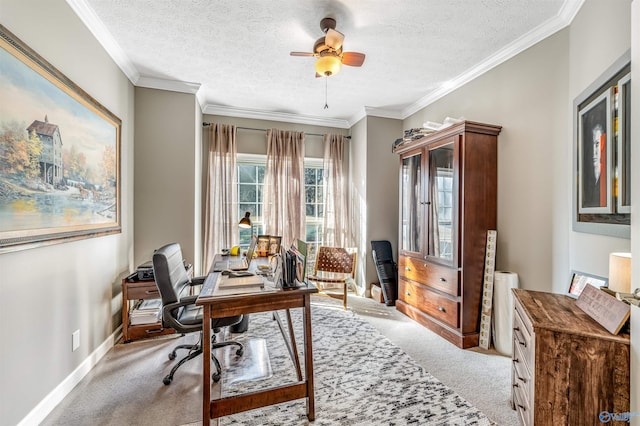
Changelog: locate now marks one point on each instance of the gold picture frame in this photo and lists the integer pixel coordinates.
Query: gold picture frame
(59, 155)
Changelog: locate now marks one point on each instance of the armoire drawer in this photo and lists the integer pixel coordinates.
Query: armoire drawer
(429, 302)
(439, 277)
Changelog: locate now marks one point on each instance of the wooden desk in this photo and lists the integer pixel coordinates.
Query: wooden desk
(216, 305)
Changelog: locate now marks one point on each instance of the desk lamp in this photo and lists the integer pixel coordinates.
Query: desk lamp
(245, 222)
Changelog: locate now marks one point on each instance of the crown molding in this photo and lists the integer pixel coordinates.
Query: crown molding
(104, 37)
(171, 85)
(274, 116)
(568, 11)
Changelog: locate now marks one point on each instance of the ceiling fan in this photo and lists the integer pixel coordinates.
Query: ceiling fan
(328, 50)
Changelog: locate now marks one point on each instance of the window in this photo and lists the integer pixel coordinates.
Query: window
(251, 171)
(313, 187)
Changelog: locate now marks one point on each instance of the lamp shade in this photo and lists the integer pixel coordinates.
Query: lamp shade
(328, 65)
(245, 222)
(620, 272)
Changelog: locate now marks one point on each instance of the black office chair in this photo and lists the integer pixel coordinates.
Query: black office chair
(180, 312)
(387, 270)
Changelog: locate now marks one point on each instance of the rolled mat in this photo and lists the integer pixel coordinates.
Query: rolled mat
(503, 282)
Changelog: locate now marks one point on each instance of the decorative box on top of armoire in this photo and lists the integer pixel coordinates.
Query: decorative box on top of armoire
(448, 202)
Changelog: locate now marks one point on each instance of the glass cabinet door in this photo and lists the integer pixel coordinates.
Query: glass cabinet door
(441, 200)
(411, 204)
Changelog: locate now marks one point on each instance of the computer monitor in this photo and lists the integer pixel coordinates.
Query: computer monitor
(252, 248)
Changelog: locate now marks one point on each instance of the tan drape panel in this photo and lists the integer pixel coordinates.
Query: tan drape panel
(335, 193)
(221, 199)
(284, 205)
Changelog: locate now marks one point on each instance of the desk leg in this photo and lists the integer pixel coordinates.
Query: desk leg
(308, 359)
(206, 365)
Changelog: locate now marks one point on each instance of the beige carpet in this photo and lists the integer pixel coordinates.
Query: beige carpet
(126, 388)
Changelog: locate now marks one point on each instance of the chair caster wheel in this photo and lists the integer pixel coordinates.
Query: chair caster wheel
(215, 377)
(239, 352)
(172, 356)
(167, 380)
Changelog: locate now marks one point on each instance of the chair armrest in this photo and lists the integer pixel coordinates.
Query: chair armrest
(169, 319)
(198, 280)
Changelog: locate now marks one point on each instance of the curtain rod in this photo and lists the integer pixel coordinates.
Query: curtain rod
(264, 130)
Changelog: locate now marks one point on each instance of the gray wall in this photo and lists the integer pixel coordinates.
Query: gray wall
(531, 96)
(49, 292)
(382, 188)
(168, 176)
(373, 191)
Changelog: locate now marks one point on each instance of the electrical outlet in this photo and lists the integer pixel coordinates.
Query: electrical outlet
(75, 340)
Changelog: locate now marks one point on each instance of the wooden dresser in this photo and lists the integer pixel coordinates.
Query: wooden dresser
(567, 369)
(448, 193)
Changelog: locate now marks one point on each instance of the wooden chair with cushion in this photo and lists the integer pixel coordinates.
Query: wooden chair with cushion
(335, 265)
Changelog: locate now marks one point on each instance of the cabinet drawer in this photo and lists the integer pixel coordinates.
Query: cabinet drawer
(143, 290)
(436, 276)
(523, 341)
(429, 302)
(142, 331)
(521, 404)
(522, 376)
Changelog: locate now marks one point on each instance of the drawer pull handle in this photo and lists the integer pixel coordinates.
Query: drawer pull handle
(407, 293)
(522, 407)
(515, 337)
(515, 385)
(407, 268)
(158, 330)
(442, 309)
(523, 380)
(516, 360)
(443, 280)
(151, 292)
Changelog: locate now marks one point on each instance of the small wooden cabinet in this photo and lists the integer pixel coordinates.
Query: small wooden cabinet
(132, 292)
(567, 369)
(448, 202)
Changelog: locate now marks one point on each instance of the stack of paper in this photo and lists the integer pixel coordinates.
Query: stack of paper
(146, 312)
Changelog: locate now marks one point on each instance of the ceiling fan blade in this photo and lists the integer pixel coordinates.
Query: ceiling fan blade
(334, 39)
(302, 54)
(353, 59)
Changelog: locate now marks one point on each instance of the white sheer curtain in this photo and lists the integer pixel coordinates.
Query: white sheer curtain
(221, 199)
(335, 193)
(284, 205)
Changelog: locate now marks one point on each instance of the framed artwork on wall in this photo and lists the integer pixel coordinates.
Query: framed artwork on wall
(59, 155)
(594, 155)
(623, 157)
(601, 153)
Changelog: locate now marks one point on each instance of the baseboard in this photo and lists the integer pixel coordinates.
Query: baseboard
(46, 406)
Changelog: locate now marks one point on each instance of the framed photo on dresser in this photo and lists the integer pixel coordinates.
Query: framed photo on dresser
(579, 280)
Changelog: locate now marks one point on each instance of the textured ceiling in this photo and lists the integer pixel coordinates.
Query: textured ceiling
(236, 53)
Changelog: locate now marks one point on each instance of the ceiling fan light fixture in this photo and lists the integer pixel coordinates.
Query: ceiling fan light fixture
(327, 66)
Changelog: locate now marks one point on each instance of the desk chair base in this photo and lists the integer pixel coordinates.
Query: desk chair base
(195, 350)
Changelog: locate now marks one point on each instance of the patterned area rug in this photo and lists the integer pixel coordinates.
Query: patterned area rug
(361, 378)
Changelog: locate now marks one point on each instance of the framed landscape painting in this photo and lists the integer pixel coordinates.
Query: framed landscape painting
(59, 155)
